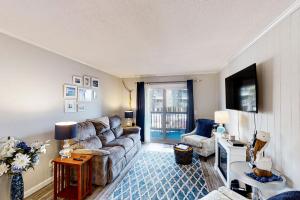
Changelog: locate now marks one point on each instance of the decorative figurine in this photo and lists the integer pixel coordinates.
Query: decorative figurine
(263, 165)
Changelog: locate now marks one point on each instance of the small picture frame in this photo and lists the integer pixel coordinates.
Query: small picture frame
(81, 94)
(86, 81)
(95, 82)
(77, 80)
(81, 107)
(70, 106)
(70, 91)
(88, 95)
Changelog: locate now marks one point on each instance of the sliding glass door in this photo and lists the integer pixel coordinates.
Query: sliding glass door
(166, 112)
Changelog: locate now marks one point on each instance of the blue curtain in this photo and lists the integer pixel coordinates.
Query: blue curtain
(190, 123)
(140, 112)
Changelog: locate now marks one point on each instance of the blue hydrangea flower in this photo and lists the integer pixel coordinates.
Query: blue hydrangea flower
(23, 145)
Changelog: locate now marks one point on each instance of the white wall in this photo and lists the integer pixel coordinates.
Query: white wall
(31, 99)
(206, 99)
(277, 55)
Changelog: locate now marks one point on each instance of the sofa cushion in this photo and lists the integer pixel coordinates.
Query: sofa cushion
(194, 140)
(85, 130)
(115, 121)
(116, 154)
(204, 127)
(134, 137)
(118, 131)
(106, 137)
(101, 124)
(116, 125)
(91, 143)
(126, 143)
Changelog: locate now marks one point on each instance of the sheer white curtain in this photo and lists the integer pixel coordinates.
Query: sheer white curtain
(148, 102)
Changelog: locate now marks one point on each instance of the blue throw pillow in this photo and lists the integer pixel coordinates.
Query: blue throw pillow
(204, 127)
(292, 195)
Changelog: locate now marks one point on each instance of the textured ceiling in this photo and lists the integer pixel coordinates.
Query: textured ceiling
(141, 37)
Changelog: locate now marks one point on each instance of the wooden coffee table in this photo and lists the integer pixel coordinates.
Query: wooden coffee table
(62, 170)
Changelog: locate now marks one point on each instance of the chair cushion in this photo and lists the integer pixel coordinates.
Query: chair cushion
(106, 137)
(126, 143)
(194, 140)
(116, 154)
(101, 124)
(134, 137)
(291, 195)
(204, 127)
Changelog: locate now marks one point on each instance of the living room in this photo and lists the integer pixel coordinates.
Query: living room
(124, 82)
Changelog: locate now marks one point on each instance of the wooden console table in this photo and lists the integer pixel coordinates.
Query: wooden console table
(62, 172)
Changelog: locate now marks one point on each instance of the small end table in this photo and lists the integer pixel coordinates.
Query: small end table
(183, 156)
(238, 170)
(62, 170)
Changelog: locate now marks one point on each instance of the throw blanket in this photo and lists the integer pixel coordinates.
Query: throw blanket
(264, 179)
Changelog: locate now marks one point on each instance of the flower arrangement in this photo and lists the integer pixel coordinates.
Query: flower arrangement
(16, 156)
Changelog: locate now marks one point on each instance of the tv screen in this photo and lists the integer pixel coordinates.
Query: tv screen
(242, 91)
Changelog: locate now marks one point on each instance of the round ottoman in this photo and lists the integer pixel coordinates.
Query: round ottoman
(183, 156)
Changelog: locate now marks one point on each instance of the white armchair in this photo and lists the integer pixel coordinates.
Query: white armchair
(203, 146)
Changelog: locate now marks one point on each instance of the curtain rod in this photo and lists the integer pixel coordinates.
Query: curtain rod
(162, 82)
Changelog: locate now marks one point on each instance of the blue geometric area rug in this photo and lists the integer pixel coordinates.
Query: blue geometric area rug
(155, 175)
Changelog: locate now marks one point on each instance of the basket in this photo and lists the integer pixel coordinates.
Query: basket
(183, 157)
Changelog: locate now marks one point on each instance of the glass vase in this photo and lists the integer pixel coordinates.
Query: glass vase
(17, 187)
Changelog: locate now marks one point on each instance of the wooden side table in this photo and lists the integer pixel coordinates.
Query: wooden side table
(62, 170)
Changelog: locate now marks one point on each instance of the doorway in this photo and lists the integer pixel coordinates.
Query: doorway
(166, 112)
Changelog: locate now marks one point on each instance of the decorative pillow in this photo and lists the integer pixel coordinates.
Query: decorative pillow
(291, 195)
(204, 127)
(101, 124)
(106, 137)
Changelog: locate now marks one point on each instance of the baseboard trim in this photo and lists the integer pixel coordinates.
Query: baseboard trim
(39, 186)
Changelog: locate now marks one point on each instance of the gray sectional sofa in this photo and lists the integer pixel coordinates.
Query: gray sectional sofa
(113, 146)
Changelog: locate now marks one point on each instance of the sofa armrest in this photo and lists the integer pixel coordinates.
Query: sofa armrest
(231, 194)
(187, 134)
(96, 152)
(132, 130)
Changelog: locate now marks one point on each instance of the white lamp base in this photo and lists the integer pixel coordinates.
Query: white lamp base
(66, 151)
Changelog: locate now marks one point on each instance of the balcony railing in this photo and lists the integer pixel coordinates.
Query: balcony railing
(168, 120)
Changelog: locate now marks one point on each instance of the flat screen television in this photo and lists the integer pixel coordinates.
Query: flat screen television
(242, 90)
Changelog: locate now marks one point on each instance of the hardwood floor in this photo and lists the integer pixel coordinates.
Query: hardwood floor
(212, 178)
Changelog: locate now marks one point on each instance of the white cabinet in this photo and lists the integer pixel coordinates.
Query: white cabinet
(225, 155)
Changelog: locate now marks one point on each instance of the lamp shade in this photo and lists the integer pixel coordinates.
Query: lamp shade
(129, 114)
(65, 130)
(221, 117)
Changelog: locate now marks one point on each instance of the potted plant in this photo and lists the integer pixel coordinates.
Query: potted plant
(16, 157)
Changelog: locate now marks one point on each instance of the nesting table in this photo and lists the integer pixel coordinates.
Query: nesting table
(62, 177)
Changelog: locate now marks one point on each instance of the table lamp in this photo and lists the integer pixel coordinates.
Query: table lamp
(129, 117)
(65, 131)
(221, 117)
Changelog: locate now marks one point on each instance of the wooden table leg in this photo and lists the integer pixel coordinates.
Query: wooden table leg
(90, 176)
(79, 182)
(55, 181)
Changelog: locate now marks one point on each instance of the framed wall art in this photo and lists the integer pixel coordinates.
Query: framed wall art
(77, 80)
(70, 106)
(87, 81)
(70, 91)
(95, 82)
